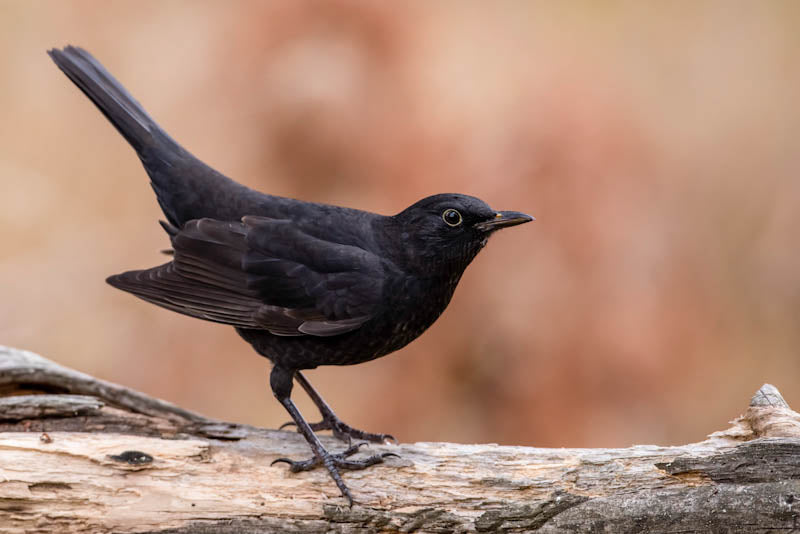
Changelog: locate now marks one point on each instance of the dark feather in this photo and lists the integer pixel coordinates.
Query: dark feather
(265, 274)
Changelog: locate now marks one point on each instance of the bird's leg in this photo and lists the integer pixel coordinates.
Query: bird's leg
(331, 422)
(281, 383)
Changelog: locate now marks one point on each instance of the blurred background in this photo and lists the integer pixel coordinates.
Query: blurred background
(658, 145)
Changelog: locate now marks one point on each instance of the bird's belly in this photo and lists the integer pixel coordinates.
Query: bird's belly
(372, 340)
(404, 318)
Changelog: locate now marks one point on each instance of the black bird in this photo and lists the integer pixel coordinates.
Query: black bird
(305, 284)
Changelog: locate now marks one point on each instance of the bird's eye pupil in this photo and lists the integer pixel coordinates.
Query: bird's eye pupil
(452, 217)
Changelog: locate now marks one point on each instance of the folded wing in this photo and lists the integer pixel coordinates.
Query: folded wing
(263, 273)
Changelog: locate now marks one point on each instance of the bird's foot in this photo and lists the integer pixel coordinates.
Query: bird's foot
(335, 462)
(345, 432)
(339, 460)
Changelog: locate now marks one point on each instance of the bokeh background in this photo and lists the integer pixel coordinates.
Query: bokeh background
(658, 145)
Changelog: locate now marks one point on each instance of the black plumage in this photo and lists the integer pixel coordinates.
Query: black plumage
(305, 284)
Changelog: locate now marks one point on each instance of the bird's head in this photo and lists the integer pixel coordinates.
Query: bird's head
(448, 230)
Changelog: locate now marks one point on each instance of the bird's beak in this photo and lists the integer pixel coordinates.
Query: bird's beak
(503, 219)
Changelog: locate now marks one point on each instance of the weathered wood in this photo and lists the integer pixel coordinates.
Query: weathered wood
(81, 455)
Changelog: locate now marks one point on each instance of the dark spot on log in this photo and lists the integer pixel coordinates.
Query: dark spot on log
(49, 486)
(789, 499)
(45, 438)
(31, 388)
(133, 458)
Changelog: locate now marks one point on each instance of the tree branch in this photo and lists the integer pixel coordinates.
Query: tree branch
(79, 454)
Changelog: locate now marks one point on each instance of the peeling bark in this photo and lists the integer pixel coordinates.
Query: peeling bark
(79, 454)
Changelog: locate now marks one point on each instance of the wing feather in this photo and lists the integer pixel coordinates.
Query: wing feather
(265, 274)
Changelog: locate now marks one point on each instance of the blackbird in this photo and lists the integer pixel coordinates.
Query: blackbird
(306, 284)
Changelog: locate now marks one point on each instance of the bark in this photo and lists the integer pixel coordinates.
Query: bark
(78, 454)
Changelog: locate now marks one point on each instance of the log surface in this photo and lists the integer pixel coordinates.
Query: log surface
(78, 454)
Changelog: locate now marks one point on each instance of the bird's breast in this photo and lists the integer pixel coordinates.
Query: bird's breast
(413, 305)
(410, 305)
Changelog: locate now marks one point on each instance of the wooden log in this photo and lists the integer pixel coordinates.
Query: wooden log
(78, 454)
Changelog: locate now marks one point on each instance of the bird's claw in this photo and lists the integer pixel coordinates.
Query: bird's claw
(286, 424)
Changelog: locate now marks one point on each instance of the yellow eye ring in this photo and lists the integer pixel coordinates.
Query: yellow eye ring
(452, 217)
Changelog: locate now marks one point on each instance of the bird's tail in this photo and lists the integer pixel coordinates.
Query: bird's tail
(111, 98)
(186, 187)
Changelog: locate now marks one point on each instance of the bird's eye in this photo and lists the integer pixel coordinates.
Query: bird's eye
(452, 217)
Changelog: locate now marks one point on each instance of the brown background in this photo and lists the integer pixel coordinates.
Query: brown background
(656, 143)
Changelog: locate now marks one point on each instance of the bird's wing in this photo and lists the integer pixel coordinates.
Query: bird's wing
(263, 273)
